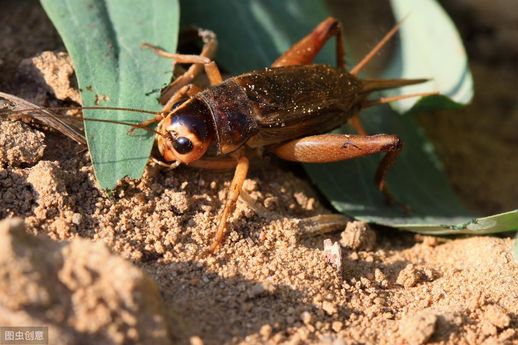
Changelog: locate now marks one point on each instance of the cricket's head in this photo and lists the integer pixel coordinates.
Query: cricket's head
(186, 133)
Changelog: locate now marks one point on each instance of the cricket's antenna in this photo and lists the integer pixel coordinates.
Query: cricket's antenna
(133, 110)
(360, 65)
(384, 100)
(132, 125)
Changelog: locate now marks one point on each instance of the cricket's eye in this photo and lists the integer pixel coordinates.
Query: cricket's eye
(185, 139)
(182, 145)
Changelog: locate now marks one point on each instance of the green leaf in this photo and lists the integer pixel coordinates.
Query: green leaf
(266, 29)
(252, 34)
(429, 47)
(103, 37)
(502, 222)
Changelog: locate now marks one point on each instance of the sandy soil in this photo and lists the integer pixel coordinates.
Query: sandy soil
(129, 267)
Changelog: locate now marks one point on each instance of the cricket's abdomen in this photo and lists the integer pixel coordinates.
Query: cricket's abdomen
(295, 101)
(274, 105)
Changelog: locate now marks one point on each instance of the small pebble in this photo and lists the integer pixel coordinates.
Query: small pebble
(77, 218)
(306, 317)
(337, 326)
(329, 308)
(497, 316)
(333, 253)
(418, 328)
(266, 331)
(195, 340)
(410, 276)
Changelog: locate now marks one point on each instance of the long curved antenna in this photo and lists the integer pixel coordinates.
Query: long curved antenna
(133, 125)
(134, 110)
(45, 116)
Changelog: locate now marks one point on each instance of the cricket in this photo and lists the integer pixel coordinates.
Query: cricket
(285, 110)
(258, 172)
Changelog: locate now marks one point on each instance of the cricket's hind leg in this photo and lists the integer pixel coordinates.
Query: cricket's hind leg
(304, 51)
(327, 148)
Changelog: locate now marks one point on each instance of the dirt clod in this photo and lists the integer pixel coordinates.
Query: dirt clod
(410, 276)
(82, 291)
(358, 236)
(49, 72)
(329, 307)
(417, 329)
(20, 144)
(497, 316)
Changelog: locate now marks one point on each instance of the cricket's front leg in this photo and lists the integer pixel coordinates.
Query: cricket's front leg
(230, 204)
(207, 53)
(186, 91)
(327, 148)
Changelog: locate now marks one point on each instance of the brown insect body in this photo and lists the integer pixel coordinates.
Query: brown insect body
(269, 106)
(286, 108)
(274, 105)
(295, 101)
